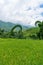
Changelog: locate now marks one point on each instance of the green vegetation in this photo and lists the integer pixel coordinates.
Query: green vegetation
(7, 26)
(31, 33)
(40, 33)
(17, 32)
(21, 52)
(18, 48)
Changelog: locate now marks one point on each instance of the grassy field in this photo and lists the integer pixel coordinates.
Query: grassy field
(21, 52)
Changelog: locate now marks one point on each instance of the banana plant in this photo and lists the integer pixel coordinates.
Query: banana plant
(40, 25)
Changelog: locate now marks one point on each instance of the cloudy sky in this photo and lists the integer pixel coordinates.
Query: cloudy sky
(21, 11)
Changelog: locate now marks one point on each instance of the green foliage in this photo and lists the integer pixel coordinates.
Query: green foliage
(31, 33)
(1, 32)
(16, 27)
(18, 32)
(40, 33)
(12, 33)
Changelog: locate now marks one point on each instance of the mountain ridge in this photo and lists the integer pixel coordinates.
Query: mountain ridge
(9, 25)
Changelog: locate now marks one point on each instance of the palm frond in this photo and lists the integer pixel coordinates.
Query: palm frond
(37, 22)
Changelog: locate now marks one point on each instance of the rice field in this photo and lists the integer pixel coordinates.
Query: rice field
(21, 52)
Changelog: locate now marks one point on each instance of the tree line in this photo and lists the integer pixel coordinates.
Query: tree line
(19, 33)
(12, 34)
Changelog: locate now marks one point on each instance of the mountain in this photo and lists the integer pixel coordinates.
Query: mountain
(8, 25)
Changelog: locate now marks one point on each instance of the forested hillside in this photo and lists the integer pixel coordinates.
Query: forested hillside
(8, 25)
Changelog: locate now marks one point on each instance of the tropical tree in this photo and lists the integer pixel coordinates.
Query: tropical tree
(40, 25)
(17, 34)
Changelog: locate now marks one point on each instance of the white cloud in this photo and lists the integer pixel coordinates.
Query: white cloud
(22, 11)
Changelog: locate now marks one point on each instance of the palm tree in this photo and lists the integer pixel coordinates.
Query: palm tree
(40, 25)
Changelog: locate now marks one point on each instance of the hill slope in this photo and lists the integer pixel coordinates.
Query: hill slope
(6, 25)
(31, 31)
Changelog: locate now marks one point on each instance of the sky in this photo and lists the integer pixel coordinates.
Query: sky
(24, 12)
